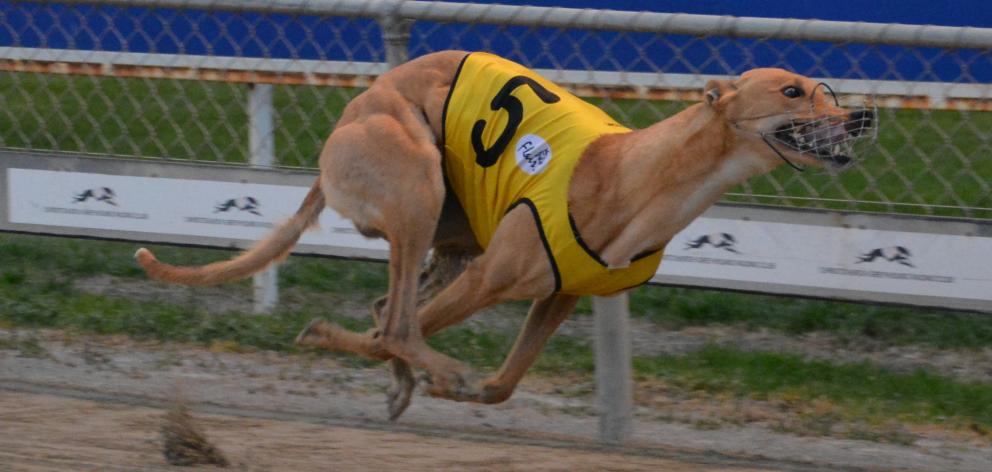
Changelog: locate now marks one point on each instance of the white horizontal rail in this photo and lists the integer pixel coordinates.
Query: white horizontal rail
(107, 61)
(666, 23)
(111, 59)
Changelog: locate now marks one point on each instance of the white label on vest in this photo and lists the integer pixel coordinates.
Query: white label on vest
(533, 153)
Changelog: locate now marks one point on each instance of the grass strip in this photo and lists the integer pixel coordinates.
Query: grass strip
(673, 308)
(41, 301)
(677, 308)
(862, 390)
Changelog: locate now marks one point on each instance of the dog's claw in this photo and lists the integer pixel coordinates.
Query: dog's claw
(301, 339)
(401, 390)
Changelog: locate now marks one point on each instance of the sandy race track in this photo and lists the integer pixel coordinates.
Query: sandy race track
(51, 433)
(75, 402)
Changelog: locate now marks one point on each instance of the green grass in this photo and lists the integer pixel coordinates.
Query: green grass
(51, 304)
(924, 158)
(861, 390)
(335, 276)
(36, 297)
(678, 308)
(486, 349)
(24, 257)
(86, 258)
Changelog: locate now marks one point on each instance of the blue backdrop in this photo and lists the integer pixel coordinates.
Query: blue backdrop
(921, 12)
(28, 24)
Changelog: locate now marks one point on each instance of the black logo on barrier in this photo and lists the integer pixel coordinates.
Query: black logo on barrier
(99, 194)
(249, 204)
(725, 241)
(896, 254)
(96, 194)
(893, 254)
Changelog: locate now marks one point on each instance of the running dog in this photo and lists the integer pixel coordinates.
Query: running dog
(524, 191)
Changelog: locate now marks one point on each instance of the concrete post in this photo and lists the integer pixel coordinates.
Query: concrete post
(614, 383)
(261, 142)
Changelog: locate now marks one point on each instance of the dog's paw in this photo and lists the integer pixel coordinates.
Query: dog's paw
(401, 390)
(312, 333)
(458, 387)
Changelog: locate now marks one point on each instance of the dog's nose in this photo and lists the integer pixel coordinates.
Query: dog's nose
(859, 121)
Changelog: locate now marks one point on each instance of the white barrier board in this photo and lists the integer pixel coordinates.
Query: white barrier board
(831, 257)
(167, 206)
(780, 254)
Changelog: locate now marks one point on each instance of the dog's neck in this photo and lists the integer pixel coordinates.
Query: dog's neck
(639, 189)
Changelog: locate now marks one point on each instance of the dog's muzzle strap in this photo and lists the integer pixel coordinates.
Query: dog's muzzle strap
(764, 137)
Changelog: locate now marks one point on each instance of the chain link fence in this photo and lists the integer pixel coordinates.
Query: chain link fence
(176, 82)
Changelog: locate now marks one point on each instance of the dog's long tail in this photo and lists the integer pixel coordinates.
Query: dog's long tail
(273, 248)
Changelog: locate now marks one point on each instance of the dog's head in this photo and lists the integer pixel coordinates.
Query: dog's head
(798, 118)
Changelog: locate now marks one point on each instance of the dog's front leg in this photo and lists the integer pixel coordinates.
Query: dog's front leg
(543, 319)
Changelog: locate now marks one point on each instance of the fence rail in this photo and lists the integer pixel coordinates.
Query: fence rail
(626, 85)
(558, 17)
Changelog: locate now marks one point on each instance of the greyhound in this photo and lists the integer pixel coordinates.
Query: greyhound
(410, 155)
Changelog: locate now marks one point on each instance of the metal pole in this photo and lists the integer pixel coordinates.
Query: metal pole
(396, 38)
(261, 144)
(614, 384)
(951, 37)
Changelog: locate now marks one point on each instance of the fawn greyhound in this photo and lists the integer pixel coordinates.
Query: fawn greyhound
(524, 191)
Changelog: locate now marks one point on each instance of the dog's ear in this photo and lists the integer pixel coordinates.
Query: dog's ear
(718, 92)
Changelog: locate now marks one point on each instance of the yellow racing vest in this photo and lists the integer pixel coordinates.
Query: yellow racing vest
(511, 137)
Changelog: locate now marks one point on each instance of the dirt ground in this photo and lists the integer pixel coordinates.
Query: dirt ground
(74, 402)
(52, 433)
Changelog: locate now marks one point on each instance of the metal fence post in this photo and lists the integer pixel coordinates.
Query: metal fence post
(261, 142)
(614, 385)
(396, 38)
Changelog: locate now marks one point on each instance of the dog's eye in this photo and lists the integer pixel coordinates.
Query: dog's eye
(792, 92)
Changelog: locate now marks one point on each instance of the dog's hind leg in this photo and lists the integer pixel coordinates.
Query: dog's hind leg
(446, 263)
(384, 173)
(401, 388)
(400, 330)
